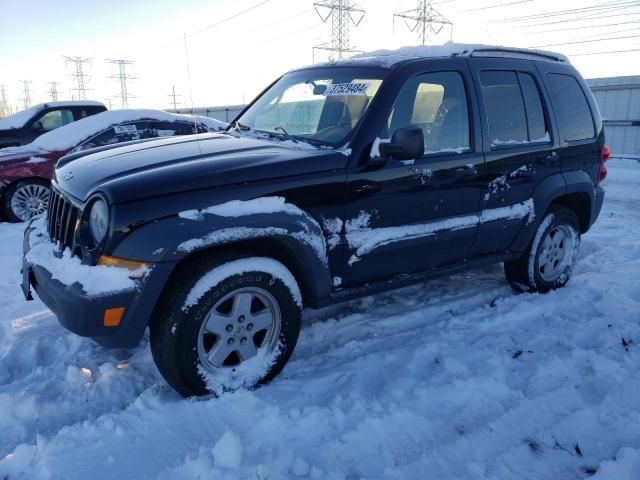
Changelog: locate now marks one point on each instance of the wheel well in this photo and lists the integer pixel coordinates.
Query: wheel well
(580, 203)
(260, 247)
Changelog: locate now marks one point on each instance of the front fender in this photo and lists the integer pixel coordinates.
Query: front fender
(290, 230)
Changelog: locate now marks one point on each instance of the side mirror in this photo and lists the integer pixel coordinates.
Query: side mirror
(406, 144)
(37, 126)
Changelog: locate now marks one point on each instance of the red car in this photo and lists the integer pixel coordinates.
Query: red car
(25, 171)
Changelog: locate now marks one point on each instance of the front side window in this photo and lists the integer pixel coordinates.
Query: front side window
(514, 108)
(437, 104)
(318, 105)
(575, 117)
(53, 119)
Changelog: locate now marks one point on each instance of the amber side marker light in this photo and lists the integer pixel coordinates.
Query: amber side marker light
(109, 261)
(112, 316)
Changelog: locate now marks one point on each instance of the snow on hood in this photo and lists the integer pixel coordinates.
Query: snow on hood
(389, 58)
(68, 136)
(18, 119)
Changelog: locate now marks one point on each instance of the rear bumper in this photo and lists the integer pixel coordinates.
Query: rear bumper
(84, 314)
(598, 199)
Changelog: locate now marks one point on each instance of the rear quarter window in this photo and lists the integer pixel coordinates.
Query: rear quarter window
(574, 114)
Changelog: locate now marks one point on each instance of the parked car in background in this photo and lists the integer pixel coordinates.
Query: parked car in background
(26, 125)
(339, 181)
(25, 171)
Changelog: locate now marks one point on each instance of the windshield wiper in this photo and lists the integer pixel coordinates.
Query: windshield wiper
(238, 126)
(286, 134)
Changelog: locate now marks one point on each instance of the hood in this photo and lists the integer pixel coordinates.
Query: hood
(11, 156)
(193, 162)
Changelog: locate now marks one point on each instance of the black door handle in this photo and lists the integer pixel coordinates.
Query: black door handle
(548, 158)
(466, 171)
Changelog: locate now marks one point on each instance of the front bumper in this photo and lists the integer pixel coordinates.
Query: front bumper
(84, 314)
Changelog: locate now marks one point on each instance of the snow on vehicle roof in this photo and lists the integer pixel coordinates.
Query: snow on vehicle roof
(18, 119)
(68, 136)
(388, 58)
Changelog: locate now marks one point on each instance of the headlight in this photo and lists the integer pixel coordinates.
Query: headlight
(98, 221)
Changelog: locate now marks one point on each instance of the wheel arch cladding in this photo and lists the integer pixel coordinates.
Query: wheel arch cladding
(295, 240)
(575, 190)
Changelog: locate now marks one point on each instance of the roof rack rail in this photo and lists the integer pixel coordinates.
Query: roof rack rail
(518, 53)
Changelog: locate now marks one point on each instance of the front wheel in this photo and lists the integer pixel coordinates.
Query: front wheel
(549, 261)
(226, 325)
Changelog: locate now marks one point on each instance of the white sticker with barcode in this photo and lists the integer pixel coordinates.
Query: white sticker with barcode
(339, 89)
(125, 129)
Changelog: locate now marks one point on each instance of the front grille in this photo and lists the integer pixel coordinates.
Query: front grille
(61, 220)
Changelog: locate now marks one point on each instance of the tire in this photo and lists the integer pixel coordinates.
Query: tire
(25, 199)
(202, 334)
(549, 261)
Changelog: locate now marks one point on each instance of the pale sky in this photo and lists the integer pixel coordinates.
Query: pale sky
(232, 62)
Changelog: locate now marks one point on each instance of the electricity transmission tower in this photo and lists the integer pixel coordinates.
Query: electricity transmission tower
(26, 100)
(53, 91)
(122, 76)
(79, 76)
(4, 106)
(341, 13)
(424, 19)
(174, 95)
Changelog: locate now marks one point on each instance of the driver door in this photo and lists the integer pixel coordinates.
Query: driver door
(413, 215)
(48, 121)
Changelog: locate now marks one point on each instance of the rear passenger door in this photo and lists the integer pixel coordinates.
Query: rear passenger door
(520, 147)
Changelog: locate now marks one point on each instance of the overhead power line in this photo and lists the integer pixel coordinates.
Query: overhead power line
(610, 52)
(489, 7)
(599, 7)
(586, 41)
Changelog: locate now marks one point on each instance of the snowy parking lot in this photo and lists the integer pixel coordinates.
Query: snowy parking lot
(459, 378)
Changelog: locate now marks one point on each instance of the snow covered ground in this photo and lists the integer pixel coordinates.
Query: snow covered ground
(455, 379)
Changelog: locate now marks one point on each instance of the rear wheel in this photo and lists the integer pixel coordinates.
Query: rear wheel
(548, 262)
(25, 199)
(226, 326)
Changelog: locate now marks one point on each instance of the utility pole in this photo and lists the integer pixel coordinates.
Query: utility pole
(341, 13)
(79, 76)
(122, 76)
(26, 100)
(4, 106)
(174, 95)
(424, 19)
(53, 91)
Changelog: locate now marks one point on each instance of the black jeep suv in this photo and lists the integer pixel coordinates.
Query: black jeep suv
(339, 181)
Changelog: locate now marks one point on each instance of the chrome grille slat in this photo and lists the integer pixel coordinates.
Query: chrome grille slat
(62, 216)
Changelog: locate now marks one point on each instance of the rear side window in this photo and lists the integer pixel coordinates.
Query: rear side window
(514, 108)
(575, 119)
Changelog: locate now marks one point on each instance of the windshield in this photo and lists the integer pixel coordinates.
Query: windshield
(318, 105)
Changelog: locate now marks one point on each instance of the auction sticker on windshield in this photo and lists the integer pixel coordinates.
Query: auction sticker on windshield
(346, 89)
(125, 129)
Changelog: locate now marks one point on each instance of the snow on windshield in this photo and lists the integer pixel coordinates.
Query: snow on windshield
(70, 135)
